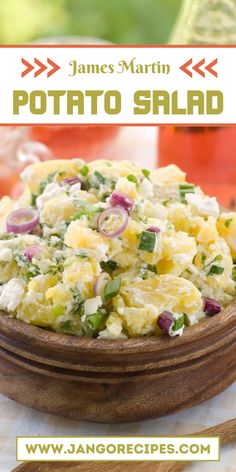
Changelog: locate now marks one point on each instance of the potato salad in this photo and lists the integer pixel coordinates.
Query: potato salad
(109, 250)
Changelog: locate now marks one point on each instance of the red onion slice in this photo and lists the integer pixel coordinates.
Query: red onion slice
(100, 283)
(211, 306)
(153, 229)
(117, 210)
(31, 251)
(165, 321)
(72, 181)
(22, 221)
(120, 199)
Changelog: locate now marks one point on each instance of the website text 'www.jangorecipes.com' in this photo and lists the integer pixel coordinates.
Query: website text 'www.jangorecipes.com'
(117, 449)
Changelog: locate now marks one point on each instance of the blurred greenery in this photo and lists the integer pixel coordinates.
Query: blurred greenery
(119, 21)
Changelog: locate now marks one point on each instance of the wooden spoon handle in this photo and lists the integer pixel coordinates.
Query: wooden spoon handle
(227, 433)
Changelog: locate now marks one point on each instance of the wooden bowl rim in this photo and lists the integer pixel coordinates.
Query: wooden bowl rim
(214, 326)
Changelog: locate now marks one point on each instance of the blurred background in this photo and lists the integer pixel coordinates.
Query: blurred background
(118, 21)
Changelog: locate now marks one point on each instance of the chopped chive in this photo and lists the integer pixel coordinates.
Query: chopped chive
(132, 178)
(228, 222)
(84, 208)
(82, 254)
(78, 304)
(105, 196)
(152, 268)
(95, 320)
(166, 202)
(51, 176)
(112, 289)
(184, 189)
(186, 320)
(66, 326)
(109, 266)
(99, 177)
(84, 170)
(186, 186)
(234, 272)
(178, 324)
(216, 270)
(147, 241)
(217, 258)
(146, 173)
(42, 187)
(203, 258)
(33, 199)
(6, 236)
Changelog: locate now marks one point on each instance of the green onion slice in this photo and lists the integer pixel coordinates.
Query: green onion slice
(216, 270)
(228, 222)
(147, 241)
(84, 170)
(132, 178)
(67, 326)
(101, 179)
(95, 320)
(112, 289)
(109, 266)
(178, 324)
(234, 272)
(146, 173)
(184, 189)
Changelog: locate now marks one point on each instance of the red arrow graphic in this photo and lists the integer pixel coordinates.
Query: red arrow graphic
(185, 66)
(210, 66)
(28, 69)
(41, 69)
(54, 69)
(197, 68)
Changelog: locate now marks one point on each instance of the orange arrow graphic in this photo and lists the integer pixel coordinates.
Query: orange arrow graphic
(197, 68)
(41, 66)
(210, 66)
(184, 68)
(28, 69)
(54, 69)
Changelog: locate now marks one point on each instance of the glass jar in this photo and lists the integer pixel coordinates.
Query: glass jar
(16, 152)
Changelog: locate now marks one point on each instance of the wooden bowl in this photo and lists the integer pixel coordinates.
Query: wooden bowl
(116, 381)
